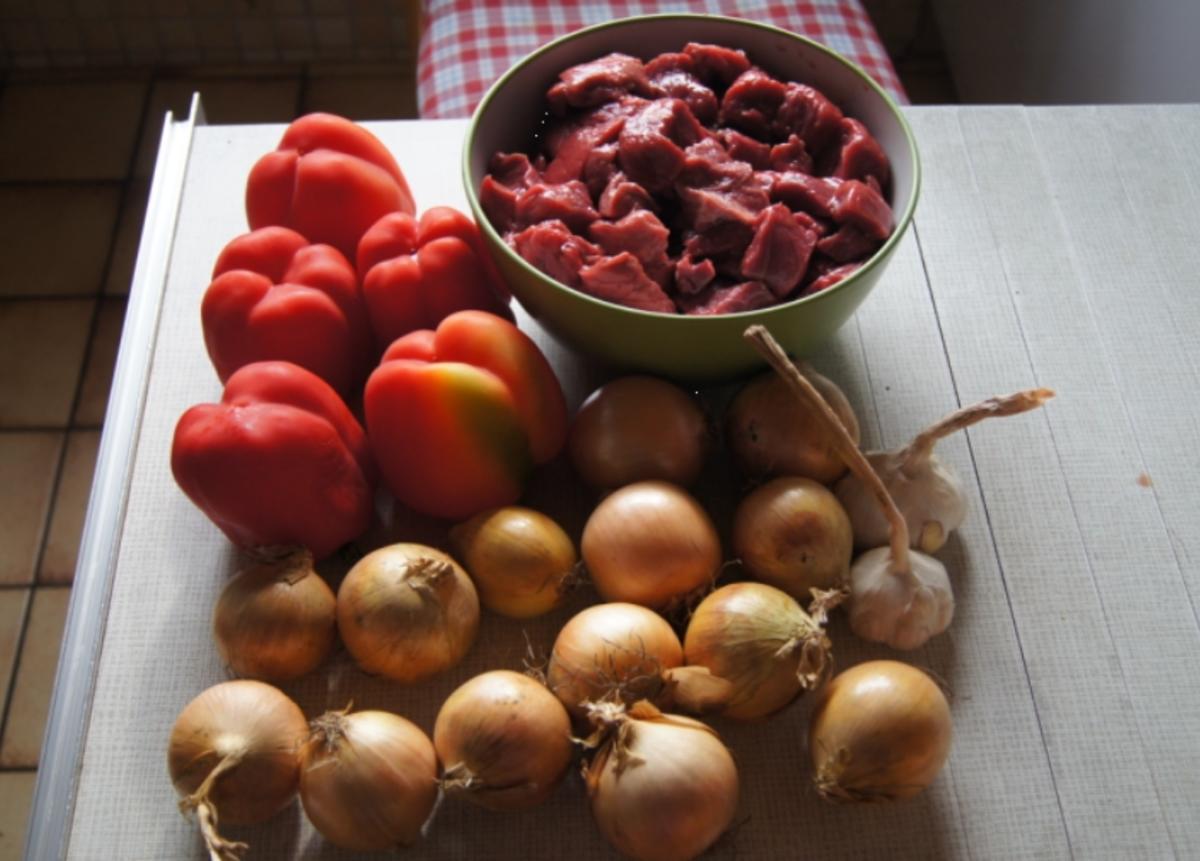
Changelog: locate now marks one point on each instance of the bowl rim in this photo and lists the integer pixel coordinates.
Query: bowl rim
(877, 259)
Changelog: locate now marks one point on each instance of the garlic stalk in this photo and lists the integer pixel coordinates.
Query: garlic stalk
(927, 491)
(898, 596)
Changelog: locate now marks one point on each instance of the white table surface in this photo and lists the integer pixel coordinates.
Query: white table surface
(1051, 247)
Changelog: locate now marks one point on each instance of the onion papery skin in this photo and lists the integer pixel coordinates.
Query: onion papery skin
(638, 428)
(249, 720)
(663, 789)
(879, 731)
(760, 640)
(650, 543)
(368, 780)
(504, 741)
(794, 534)
(519, 559)
(615, 651)
(407, 612)
(770, 432)
(276, 621)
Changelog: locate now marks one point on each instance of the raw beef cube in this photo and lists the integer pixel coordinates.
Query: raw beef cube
(599, 168)
(552, 248)
(828, 278)
(751, 103)
(652, 141)
(568, 202)
(513, 170)
(599, 81)
(727, 239)
(812, 194)
(748, 296)
(570, 144)
(509, 174)
(861, 156)
(714, 192)
(499, 202)
(716, 64)
(847, 243)
(858, 204)
(642, 235)
(779, 252)
(679, 83)
(622, 280)
(791, 155)
(817, 226)
(807, 113)
(745, 148)
(692, 275)
(621, 197)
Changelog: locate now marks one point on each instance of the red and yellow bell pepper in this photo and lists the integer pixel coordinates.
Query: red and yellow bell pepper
(459, 416)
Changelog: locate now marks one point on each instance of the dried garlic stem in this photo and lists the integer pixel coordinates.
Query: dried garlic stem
(763, 341)
(917, 451)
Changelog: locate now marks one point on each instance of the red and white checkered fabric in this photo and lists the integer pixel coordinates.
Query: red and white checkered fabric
(467, 44)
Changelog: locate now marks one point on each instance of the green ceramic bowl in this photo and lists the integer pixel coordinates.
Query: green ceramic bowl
(695, 349)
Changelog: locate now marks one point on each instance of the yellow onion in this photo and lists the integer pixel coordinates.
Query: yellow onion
(234, 756)
(407, 612)
(638, 428)
(612, 651)
(762, 642)
(504, 741)
(880, 731)
(770, 432)
(650, 543)
(276, 620)
(520, 560)
(662, 787)
(794, 534)
(368, 780)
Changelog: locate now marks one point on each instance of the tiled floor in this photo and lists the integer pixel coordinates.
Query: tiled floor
(71, 207)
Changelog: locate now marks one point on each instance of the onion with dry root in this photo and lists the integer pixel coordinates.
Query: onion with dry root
(638, 428)
(771, 433)
(879, 731)
(761, 641)
(662, 787)
(368, 779)
(407, 612)
(927, 491)
(620, 652)
(276, 620)
(898, 596)
(520, 560)
(234, 757)
(650, 543)
(504, 741)
(793, 534)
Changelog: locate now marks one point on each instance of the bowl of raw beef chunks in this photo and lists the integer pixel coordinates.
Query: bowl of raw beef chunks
(651, 186)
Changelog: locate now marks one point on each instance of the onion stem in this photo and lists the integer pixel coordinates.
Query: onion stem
(855, 460)
(917, 452)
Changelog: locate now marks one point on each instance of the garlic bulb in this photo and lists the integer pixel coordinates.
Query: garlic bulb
(905, 596)
(898, 607)
(928, 493)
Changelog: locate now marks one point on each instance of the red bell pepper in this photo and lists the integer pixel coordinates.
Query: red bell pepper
(417, 272)
(330, 179)
(274, 296)
(279, 461)
(458, 417)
